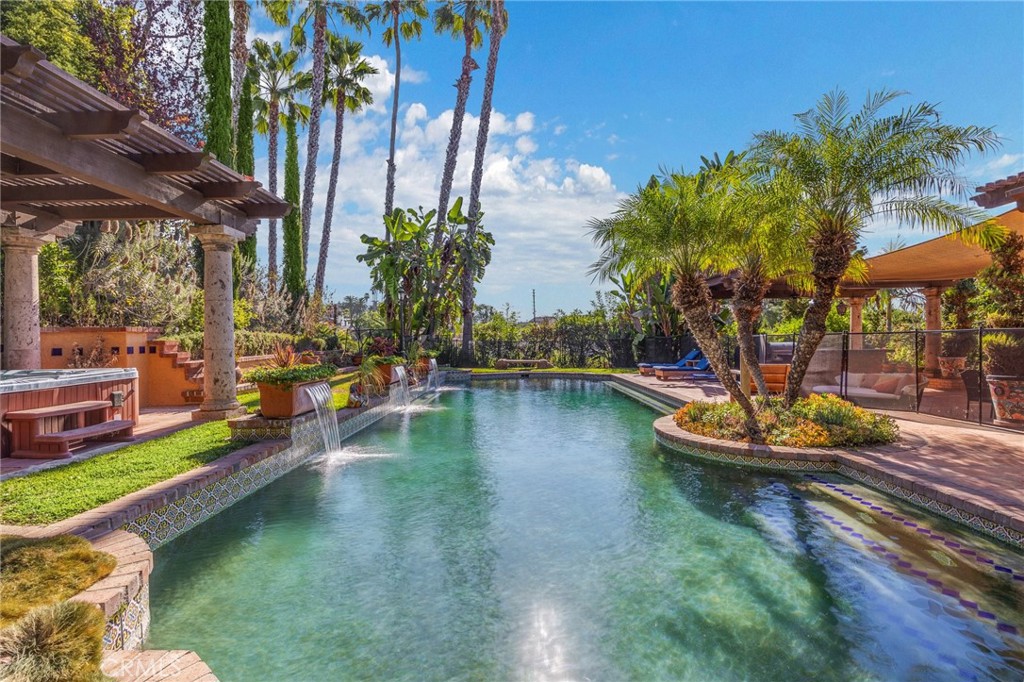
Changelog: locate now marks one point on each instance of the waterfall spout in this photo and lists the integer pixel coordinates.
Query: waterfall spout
(401, 392)
(323, 400)
(433, 376)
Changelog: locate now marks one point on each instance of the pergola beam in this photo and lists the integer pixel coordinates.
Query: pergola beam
(10, 165)
(96, 125)
(28, 138)
(17, 62)
(48, 193)
(227, 190)
(173, 163)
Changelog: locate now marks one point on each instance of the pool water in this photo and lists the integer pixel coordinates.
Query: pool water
(534, 531)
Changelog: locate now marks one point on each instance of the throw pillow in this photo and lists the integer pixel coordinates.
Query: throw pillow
(887, 385)
(869, 380)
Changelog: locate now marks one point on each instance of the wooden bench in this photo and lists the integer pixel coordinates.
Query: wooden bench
(47, 432)
(532, 364)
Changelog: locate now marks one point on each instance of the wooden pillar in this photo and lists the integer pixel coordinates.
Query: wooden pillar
(933, 325)
(21, 297)
(856, 322)
(220, 398)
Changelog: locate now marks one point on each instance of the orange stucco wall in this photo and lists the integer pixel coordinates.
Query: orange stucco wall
(160, 382)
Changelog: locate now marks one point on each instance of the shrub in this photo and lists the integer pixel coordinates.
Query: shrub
(815, 421)
(284, 377)
(57, 643)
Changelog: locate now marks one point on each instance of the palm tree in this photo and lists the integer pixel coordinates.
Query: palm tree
(850, 168)
(239, 54)
(276, 83)
(315, 11)
(462, 20)
(499, 22)
(403, 20)
(346, 69)
(676, 224)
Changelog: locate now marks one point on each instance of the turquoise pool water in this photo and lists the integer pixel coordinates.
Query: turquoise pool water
(533, 531)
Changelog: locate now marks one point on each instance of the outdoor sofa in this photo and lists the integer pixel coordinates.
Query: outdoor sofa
(878, 389)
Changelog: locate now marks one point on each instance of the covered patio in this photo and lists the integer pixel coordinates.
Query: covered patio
(68, 154)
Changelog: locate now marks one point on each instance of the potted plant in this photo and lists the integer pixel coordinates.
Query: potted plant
(1001, 291)
(382, 351)
(423, 361)
(284, 385)
(958, 343)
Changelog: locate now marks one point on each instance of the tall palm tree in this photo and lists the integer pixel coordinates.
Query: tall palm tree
(852, 167)
(346, 70)
(676, 224)
(315, 12)
(276, 83)
(239, 54)
(499, 22)
(462, 19)
(403, 21)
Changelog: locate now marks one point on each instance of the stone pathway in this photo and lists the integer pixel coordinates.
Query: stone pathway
(978, 469)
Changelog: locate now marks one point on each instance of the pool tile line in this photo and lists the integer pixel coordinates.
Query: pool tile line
(900, 562)
(936, 537)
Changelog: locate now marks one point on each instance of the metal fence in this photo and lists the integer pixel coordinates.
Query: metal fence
(951, 373)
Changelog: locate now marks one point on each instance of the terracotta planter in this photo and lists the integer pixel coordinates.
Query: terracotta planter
(357, 359)
(423, 366)
(383, 372)
(1007, 398)
(951, 367)
(285, 402)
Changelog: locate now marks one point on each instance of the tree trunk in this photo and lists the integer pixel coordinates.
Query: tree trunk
(452, 152)
(748, 294)
(469, 271)
(239, 55)
(313, 146)
(273, 122)
(691, 295)
(325, 237)
(389, 192)
(831, 250)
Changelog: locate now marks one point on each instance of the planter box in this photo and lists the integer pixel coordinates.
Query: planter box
(284, 402)
(950, 367)
(1007, 399)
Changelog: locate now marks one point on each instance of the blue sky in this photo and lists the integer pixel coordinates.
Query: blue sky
(593, 97)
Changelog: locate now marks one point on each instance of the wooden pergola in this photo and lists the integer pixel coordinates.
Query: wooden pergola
(69, 153)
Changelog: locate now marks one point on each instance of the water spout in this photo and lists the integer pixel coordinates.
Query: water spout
(401, 392)
(323, 400)
(433, 376)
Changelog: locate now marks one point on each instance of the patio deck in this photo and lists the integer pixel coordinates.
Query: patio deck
(153, 423)
(977, 469)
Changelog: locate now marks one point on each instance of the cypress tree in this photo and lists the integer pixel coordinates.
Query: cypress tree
(217, 67)
(244, 157)
(294, 274)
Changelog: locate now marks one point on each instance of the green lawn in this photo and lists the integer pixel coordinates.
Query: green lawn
(57, 494)
(581, 370)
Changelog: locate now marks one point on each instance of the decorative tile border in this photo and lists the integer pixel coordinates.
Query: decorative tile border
(825, 460)
(129, 626)
(163, 524)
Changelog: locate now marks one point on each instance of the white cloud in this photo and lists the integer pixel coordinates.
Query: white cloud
(414, 114)
(1006, 162)
(525, 145)
(559, 129)
(524, 122)
(594, 179)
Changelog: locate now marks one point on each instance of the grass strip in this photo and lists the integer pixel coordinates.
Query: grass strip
(56, 494)
(43, 571)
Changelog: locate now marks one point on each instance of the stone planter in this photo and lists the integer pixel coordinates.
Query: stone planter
(950, 367)
(1007, 399)
(285, 402)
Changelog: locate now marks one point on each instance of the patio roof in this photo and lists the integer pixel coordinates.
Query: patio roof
(1001, 192)
(69, 153)
(938, 262)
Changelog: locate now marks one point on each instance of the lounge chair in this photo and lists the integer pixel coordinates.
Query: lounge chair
(647, 368)
(668, 373)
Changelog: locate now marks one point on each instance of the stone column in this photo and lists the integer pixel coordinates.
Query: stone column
(21, 297)
(220, 400)
(933, 324)
(856, 322)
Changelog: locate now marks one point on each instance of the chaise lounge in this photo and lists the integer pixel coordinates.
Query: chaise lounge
(647, 369)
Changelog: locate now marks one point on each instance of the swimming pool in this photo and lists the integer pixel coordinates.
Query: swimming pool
(533, 530)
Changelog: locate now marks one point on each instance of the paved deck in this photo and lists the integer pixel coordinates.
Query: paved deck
(153, 423)
(156, 666)
(977, 468)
